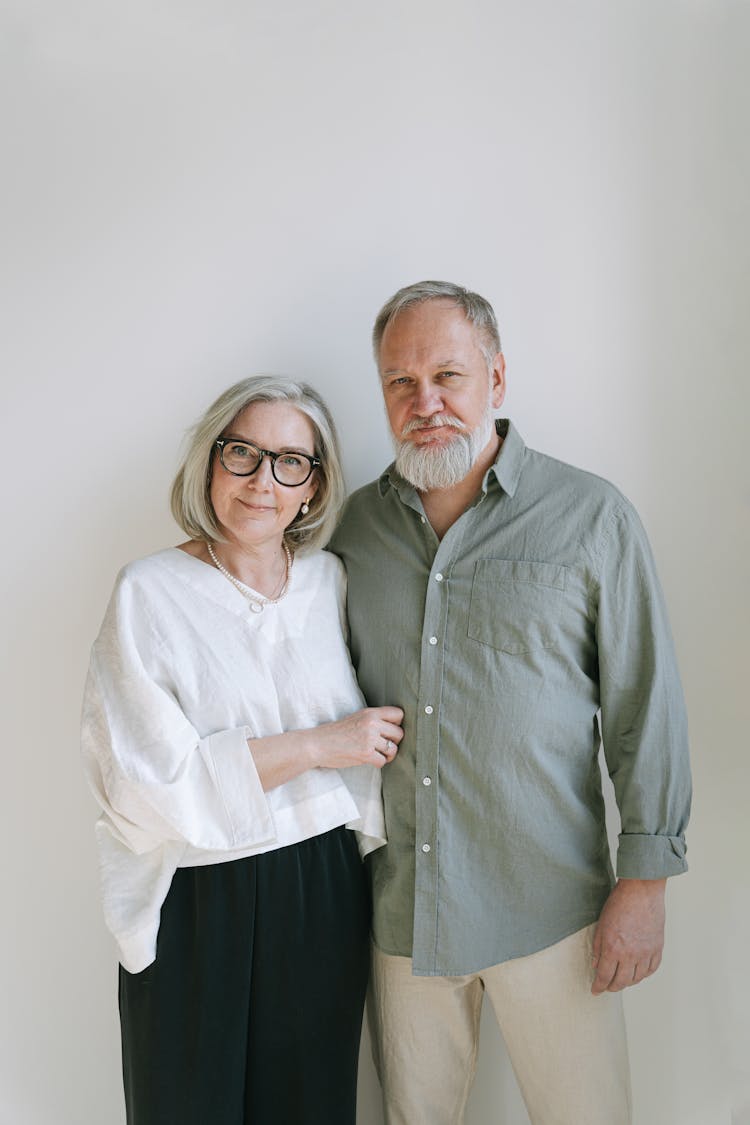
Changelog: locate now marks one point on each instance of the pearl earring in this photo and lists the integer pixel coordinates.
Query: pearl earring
(305, 508)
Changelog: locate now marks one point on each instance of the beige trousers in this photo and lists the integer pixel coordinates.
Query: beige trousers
(567, 1047)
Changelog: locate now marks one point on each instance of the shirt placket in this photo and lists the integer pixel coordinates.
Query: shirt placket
(429, 838)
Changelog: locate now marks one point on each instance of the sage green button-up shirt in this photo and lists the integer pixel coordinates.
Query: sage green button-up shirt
(533, 628)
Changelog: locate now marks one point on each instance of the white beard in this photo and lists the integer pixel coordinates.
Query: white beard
(427, 466)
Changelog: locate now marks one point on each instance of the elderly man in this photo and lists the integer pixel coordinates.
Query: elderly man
(509, 603)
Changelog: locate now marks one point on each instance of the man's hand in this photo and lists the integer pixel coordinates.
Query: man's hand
(629, 936)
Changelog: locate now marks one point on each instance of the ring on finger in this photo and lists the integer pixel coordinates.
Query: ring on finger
(389, 746)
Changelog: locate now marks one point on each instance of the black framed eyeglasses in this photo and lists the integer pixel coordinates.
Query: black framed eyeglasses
(242, 459)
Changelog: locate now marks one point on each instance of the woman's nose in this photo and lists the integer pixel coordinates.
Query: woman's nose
(263, 476)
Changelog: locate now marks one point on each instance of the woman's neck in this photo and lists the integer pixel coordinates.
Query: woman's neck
(261, 566)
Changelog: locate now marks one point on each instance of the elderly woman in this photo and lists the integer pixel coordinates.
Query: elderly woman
(226, 741)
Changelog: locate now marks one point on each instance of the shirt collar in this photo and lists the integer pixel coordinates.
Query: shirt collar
(506, 468)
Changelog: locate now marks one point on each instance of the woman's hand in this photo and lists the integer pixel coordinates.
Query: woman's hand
(369, 737)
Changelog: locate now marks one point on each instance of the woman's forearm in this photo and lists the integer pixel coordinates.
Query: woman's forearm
(368, 737)
(281, 757)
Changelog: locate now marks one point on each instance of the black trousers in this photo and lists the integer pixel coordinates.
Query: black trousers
(252, 1012)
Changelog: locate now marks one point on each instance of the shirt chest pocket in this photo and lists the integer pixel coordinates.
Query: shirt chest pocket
(517, 605)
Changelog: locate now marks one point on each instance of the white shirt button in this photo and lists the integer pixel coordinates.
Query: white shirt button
(423, 519)
(425, 847)
(427, 781)
(428, 710)
(438, 578)
(433, 640)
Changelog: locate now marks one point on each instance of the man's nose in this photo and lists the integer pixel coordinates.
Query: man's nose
(427, 400)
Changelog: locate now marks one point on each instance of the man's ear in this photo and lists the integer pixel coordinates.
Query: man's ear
(497, 380)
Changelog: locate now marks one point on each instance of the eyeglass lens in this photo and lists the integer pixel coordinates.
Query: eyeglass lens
(288, 468)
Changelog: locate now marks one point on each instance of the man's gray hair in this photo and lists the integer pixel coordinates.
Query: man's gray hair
(476, 309)
(190, 498)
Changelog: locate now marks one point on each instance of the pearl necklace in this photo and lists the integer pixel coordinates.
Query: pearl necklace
(257, 602)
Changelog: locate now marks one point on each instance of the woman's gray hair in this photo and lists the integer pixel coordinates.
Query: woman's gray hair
(476, 309)
(190, 497)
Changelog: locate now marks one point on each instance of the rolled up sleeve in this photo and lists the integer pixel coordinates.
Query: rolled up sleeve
(643, 719)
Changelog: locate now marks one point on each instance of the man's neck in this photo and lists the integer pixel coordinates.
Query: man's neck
(443, 506)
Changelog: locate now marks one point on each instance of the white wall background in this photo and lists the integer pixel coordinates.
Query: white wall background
(195, 191)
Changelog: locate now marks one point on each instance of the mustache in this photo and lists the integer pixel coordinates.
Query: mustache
(433, 423)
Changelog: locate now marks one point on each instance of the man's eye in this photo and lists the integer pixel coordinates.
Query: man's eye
(448, 374)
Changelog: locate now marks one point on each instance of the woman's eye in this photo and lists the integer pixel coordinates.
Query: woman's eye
(291, 460)
(239, 450)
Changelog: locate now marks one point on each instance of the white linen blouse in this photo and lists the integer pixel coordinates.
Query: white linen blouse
(182, 674)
